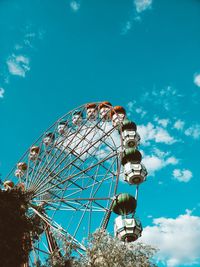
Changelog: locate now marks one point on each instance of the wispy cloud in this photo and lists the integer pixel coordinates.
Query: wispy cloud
(127, 27)
(162, 122)
(197, 79)
(193, 131)
(182, 175)
(141, 111)
(17, 62)
(133, 108)
(18, 65)
(130, 106)
(163, 98)
(177, 239)
(75, 5)
(2, 91)
(142, 5)
(18, 47)
(179, 124)
(138, 7)
(31, 35)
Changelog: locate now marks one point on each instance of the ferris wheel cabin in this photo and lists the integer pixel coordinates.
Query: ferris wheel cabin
(118, 114)
(91, 111)
(125, 228)
(62, 127)
(134, 171)
(129, 134)
(49, 139)
(21, 169)
(77, 117)
(8, 185)
(34, 153)
(104, 110)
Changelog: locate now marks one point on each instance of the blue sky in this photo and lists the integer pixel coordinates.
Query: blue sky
(143, 55)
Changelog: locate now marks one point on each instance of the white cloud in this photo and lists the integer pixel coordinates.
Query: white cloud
(75, 6)
(2, 91)
(171, 160)
(182, 175)
(157, 161)
(127, 27)
(167, 91)
(29, 39)
(197, 79)
(30, 36)
(142, 5)
(152, 163)
(137, 18)
(179, 124)
(141, 111)
(18, 47)
(193, 131)
(129, 23)
(158, 134)
(162, 122)
(177, 239)
(18, 65)
(130, 106)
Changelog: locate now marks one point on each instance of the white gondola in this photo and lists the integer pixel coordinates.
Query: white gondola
(91, 111)
(130, 138)
(134, 173)
(104, 110)
(34, 152)
(21, 169)
(62, 127)
(117, 119)
(77, 117)
(127, 229)
(129, 134)
(8, 185)
(118, 114)
(49, 139)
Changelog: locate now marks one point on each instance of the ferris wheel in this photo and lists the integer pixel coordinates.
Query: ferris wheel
(72, 173)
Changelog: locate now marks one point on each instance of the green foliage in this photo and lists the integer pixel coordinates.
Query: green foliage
(16, 228)
(106, 251)
(57, 261)
(64, 259)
